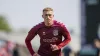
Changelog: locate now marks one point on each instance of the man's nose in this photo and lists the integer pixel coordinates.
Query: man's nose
(48, 17)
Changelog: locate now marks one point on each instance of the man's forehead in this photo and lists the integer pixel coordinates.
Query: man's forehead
(48, 12)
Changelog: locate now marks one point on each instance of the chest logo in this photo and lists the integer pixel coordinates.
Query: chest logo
(55, 32)
(44, 33)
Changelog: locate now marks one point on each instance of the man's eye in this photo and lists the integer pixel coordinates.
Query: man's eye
(48, 15)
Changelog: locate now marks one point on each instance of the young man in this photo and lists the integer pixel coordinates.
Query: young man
(50, 32)
(97, 46)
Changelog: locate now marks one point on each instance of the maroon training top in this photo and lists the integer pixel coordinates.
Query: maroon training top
(48, 35)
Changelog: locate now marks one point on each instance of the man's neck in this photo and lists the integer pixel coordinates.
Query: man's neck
(48, 25)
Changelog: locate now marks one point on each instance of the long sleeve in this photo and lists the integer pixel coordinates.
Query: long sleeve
(28, 39)
(66, 35)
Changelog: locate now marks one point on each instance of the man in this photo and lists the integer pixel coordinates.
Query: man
(50, 32)
(97, 46)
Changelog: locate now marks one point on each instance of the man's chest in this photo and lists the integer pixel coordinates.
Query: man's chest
(49, 31)
(49, 35)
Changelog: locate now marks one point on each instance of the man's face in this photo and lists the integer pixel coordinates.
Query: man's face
(48, 17)
(97, 44)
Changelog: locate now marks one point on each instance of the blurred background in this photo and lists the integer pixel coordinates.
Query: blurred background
(81, 17)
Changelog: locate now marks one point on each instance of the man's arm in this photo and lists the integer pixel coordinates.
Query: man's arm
(66, 35)
(28, 39)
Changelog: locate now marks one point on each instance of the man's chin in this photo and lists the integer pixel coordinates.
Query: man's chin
(49, 24)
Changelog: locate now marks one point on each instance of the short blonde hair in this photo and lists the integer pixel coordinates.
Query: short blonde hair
(47, 9)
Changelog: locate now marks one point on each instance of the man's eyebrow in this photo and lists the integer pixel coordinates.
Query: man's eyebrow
(48, 14)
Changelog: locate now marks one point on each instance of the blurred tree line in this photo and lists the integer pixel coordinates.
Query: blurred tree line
(4, 25)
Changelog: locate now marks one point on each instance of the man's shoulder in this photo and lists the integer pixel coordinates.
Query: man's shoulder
(38, 25)
(57, 23)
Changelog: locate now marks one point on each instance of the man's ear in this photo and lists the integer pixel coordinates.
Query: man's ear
(42, 16)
